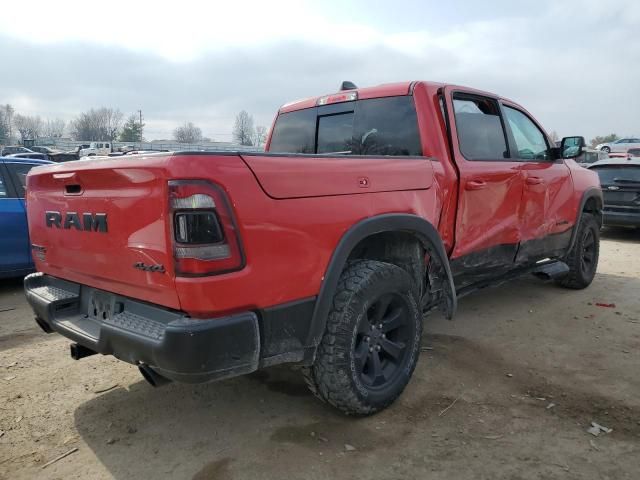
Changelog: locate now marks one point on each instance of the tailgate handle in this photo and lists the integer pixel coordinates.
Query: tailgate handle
(64, 176)
(72, 189)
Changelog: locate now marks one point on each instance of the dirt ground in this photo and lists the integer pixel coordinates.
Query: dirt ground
(506, 390)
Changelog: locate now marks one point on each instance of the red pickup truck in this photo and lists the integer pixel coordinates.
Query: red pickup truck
(369, 208)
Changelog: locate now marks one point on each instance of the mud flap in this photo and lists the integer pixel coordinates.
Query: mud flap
(440, 292)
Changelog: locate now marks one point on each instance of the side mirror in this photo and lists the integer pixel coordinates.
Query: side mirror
(571, 147)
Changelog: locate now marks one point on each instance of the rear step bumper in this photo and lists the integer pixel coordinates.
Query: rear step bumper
(172, 344)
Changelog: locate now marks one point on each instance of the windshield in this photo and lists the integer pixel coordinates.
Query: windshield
(378, 126)
(610, 175)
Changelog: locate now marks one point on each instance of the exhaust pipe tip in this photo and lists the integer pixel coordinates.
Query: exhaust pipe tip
(153, 378)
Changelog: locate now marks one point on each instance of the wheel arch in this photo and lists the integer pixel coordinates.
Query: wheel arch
(591, 202)
(413, 225)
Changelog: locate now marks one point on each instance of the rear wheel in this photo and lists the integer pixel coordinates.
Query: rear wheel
(583, 257)
(372, 339)
(605, 149)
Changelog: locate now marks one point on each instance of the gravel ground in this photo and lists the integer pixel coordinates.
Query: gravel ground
(506, 390)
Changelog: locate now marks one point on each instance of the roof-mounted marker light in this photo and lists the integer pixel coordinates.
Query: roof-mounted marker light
(347, 85)
(337, 98)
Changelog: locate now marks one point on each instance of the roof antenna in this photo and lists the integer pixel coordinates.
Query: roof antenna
(347, 85)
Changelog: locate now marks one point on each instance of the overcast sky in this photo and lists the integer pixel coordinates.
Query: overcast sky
(574, 64)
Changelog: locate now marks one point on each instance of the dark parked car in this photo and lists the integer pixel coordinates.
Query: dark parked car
(15, 254)
(620, 181)
(45, 150)
(10, 150)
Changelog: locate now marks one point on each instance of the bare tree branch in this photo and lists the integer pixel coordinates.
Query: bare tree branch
(187, 133)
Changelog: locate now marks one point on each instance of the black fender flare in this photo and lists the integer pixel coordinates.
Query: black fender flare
(391, 222)
(592, 192)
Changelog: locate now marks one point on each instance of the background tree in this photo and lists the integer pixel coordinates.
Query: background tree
(187, 133)
(53, 128)
(260, 136)
(102, 124)
(132, 130)
(243, 132)
(6, 123)
(28, 127)
(612, 137)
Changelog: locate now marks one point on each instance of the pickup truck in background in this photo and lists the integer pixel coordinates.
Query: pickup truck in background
(369, 208)
(95, 149)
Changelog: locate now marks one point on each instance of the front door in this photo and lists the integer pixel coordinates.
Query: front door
(491, 185)
(547, 213)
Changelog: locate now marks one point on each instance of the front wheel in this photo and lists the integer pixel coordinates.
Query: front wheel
(372, 339)
(583, 257)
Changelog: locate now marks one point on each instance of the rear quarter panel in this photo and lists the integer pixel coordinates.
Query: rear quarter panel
(288, 243)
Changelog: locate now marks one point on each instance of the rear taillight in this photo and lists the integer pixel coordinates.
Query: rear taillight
(205, 236)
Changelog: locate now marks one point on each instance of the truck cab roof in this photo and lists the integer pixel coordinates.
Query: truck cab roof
(378, 91)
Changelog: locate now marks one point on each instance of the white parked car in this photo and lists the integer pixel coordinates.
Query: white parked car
(95, 149)
(621, 145)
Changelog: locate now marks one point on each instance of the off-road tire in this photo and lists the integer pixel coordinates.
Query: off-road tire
(336, 376)
(587, 244)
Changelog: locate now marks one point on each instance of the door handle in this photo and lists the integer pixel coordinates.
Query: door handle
(534, 181)
(475, 185)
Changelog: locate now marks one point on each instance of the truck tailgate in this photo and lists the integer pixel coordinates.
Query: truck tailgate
(103, 223)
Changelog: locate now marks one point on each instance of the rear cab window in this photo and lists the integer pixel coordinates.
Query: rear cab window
(380, 126)
(618, 174)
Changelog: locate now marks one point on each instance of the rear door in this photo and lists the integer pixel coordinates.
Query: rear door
(14, 237)
(487, 223)
(547, 212)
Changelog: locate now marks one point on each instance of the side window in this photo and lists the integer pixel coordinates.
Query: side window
(3, 187)
(530, 141)
(480, 132)
(19, 172)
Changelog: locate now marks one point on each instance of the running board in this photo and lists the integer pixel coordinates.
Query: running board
(549, 270)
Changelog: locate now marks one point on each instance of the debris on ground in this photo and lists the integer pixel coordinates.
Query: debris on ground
(596, 429)
(593, 445)
(509, 375)
(606, 305)
(550, 406)
(349, 448)
(60, 457)
(106, 389)
(9, 378)
(7, 309)
(426, 349)
(1, 433)
(449, 407)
